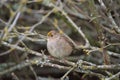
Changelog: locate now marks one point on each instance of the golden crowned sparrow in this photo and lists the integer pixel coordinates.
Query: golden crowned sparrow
(58, 45)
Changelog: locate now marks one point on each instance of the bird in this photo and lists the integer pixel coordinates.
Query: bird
(58, 45)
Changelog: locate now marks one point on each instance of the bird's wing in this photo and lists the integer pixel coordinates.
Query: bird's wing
(69, 40)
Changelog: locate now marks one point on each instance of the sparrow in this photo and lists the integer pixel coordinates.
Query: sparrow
(58, 45)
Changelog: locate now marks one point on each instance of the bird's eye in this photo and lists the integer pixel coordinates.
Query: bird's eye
(50, 34)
